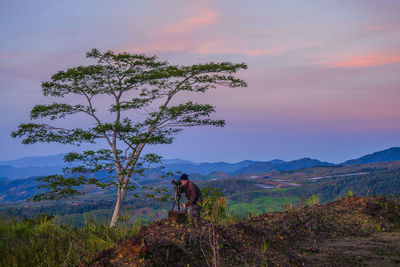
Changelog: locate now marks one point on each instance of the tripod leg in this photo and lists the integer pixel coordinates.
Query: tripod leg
(173, 205)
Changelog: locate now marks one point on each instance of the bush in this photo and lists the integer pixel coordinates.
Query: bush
(313, 200)
(214, 204)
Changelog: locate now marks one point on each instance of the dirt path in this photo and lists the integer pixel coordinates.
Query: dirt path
(380, 249)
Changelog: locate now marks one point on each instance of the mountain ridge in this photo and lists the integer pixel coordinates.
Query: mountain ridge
(45, 165)
(390, 154)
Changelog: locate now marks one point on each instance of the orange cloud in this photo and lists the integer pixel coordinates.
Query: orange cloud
(372, 59)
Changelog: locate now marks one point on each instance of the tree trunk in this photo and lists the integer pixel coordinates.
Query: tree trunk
(120, 201)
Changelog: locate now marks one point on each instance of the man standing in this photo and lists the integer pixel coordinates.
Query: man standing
(193, 195)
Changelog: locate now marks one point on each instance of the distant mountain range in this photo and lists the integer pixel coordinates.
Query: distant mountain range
(391, 154)
(39, 161)
(46, 165)
(206, 168)
(18, 190)
(280, 165)
(360, 173)
(14, 173)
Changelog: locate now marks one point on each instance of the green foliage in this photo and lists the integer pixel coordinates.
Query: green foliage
(313, 200)
(214, 204)
(350, 193)
(260, 205)
(56, 110)
(130, 82)
(376, 182)
(41, 242)
(237, 189)
(61, 187)
(45, 133)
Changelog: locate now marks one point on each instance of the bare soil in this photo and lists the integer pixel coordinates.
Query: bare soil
(378, 249)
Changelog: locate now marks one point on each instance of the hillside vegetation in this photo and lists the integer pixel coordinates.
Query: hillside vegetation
(349, 231)
(43, 242)
(298, 236)
(246, 195)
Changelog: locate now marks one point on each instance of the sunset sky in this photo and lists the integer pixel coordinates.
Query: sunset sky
(323, 77)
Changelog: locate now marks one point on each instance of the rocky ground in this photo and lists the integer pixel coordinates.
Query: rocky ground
(352, 231)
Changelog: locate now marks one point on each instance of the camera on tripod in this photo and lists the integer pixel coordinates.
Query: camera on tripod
(178, 186)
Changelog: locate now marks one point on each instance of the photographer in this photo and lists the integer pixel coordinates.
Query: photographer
(193, 195)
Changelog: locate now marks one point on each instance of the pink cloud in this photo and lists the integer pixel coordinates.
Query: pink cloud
(181, 35)
(156, 47)
(380, 28)
(11, 55)
(280, 48)
(205, 17)
(368, 60)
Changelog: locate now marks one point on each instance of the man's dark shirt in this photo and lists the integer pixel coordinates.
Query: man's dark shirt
(192, 193)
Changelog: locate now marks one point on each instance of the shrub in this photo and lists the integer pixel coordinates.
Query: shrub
(213, 205)
(313, 200)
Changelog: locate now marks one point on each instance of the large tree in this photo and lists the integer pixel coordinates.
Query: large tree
(140, 89)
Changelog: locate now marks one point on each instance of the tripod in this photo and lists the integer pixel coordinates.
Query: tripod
(177, 197)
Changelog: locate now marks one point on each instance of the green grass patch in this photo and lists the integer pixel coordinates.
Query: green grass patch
(260, 205)
(281, 190)
(43, 242)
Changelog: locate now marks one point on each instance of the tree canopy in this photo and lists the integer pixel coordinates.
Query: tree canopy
(135, 83)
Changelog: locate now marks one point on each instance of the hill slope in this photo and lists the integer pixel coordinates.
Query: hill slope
(390, 154)
(293, 238)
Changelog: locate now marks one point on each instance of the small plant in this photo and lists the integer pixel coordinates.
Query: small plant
(213, 209)
(265, 246)
(313, 200)
(264, 251)
(350, 193)
(214, 205)
(289, 207)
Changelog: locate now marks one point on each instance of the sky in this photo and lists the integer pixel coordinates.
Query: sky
(323, 76)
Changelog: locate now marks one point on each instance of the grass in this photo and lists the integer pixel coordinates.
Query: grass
(261, 205)
(43, 242)
(284, 189)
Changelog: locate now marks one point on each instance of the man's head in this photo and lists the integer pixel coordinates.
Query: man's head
(184, 178)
